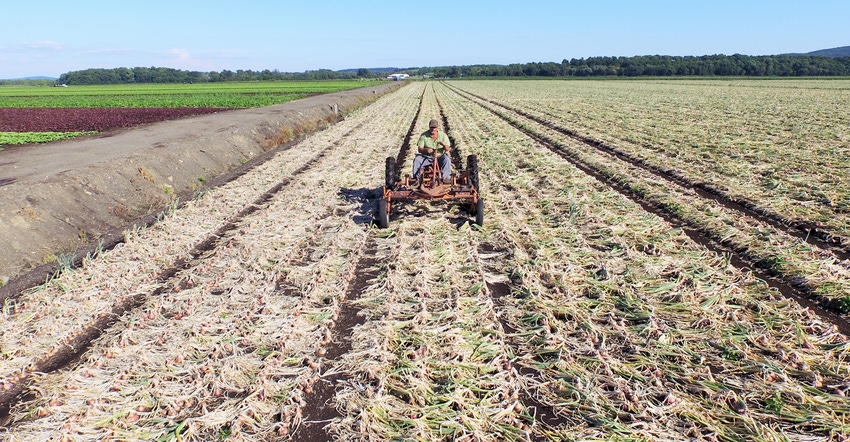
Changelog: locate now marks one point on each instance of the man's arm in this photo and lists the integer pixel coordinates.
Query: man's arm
(444, 141)
(421, 145)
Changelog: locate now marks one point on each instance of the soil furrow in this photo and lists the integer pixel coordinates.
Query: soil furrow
(457, 161)
(497, 291)
(319, 409)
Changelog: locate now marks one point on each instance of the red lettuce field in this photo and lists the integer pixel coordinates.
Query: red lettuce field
(88, 119)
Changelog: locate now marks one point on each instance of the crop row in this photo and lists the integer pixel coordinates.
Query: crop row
(13, 138)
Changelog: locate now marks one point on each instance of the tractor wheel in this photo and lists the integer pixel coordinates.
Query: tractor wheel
(479, 212)
(472, 170)
(390, 178)
(384, 213)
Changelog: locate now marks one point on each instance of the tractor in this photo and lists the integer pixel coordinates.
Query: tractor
(430, 186)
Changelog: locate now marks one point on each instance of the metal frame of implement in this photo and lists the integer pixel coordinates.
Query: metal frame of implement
(430, 186)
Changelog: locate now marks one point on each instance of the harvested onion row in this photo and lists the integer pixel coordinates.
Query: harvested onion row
(609, 342)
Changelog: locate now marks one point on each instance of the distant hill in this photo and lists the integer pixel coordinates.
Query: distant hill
(35, 78)
(372, 70)
(843, 51)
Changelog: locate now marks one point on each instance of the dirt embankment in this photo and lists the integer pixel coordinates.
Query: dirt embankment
(60, 200)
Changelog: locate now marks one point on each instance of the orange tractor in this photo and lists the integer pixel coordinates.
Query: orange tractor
(430, 186)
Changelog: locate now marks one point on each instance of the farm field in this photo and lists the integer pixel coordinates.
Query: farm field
(602, 300)
(781, 145)
(224, 95)
(39, 114)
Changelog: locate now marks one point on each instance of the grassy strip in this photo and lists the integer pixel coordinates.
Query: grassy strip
(14, 138)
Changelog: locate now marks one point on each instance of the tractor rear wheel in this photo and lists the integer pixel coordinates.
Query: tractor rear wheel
(472, 170)
(479, 212)
(391, 173)
(383, 213)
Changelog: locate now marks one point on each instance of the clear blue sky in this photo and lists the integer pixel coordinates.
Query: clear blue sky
(49, 37)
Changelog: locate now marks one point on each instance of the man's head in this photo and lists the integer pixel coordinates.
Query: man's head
(433, 124)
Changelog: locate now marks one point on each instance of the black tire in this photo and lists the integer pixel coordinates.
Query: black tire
(472, 171)
(383, 214)
(391, 173)
(479, 212)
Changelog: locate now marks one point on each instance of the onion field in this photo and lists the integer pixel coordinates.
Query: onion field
(659, 260)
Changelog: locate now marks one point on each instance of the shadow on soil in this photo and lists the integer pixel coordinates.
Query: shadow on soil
(366, 198)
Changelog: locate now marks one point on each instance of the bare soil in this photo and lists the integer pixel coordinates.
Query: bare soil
(64, 200)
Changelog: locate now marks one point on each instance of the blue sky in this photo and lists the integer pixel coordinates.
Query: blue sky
(47, 37)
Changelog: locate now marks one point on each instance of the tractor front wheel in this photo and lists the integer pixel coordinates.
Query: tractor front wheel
(384, 213)
(479, 212)
(391, 173)
(472, 171)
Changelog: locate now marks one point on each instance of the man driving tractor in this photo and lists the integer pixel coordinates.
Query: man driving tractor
(428, 144)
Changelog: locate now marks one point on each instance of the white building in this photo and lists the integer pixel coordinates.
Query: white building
(397, 77)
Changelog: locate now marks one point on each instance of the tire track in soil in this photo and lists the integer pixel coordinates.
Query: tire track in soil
(808, 231)
(498, 291)
(788, 289)
(67, 353)
(318, 411)
(404, 151)
(457, 161)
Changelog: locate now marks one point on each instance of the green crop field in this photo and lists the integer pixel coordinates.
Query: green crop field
(232, 95)
(12, 138)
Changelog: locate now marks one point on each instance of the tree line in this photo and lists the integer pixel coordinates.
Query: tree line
(658, 65)
(169, 75)
(653, 65)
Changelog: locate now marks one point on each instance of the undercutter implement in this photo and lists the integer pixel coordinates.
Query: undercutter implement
(431, 186)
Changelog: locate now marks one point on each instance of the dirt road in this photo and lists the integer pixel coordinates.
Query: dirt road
(60, 200)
